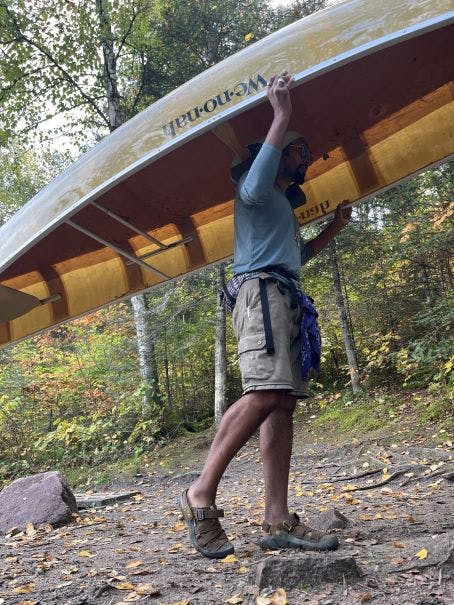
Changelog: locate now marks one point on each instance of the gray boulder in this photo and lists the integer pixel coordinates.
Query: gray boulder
(42, 498)
(306, 568)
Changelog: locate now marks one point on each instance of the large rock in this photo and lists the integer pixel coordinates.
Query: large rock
(311, 568)
(42, 498)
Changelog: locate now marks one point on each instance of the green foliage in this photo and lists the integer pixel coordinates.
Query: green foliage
(345, 413)
(396, 265)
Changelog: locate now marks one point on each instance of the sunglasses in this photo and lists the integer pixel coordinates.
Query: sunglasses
(304, 153)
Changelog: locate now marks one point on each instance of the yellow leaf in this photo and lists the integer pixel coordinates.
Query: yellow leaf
(279, 597)
(422, 554)
(399, 545)
(229, 559)
(85, 553)
(178, 527)
(249, 37)
(123, 585)
(263, 601)
(386, 491)
(138, 497)
(25, 588)
(175, 548)
(243, 570)
(133, 564)
(30, 530)
(235, 599)
(147, 589)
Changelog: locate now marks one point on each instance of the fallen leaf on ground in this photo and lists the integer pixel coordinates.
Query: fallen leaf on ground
(399, 545)
(134, 564)
(229, 559)
(123, 585)
(25, 588)
(147, 589)
(178, 527)
(366, 597)
(279, 597)
(235, 599)
(422, 554)
(30, 530)
(243, 570)
(397, 561)
(86, 553)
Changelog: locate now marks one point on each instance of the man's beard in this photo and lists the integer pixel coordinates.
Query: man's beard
(298, 177)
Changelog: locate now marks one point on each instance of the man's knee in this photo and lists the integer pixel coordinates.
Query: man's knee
(288, 403)
(273, 400)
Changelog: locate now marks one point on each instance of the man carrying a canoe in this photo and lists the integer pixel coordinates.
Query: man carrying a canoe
(278, 338)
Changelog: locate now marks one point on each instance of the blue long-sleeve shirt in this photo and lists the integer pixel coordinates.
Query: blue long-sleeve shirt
(266, 230)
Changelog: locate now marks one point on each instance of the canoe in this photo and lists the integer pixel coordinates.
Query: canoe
(373, 95)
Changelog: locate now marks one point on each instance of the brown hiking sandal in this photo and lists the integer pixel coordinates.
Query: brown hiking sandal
(291, 533)
(205, 531)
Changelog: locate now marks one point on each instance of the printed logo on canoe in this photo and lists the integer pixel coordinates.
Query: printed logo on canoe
(242, 89)
(305, 215)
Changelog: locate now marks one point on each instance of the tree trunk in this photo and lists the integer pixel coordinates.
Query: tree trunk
(110, 67)
(145, 341)
(147, 358)
(343, 320)
(167, 374)
(220, 354)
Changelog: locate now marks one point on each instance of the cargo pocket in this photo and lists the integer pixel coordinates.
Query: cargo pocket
(255, 363)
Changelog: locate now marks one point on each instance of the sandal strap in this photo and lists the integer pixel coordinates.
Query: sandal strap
(288, 525)
(202, 513)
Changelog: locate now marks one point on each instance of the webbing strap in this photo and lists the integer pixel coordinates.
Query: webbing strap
(266, 317)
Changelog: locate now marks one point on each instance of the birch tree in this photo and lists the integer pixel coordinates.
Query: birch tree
(343, 318)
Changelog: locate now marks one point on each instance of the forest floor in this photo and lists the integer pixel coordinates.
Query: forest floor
(398, 548)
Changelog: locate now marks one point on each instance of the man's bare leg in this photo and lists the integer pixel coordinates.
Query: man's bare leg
(276, 438)
(238, 424)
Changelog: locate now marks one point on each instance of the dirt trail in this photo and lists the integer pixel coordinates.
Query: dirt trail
(398, 499)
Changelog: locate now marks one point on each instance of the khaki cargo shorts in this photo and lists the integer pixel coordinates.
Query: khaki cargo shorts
(259, 369)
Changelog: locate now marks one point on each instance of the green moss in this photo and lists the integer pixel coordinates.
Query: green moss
(103, 475)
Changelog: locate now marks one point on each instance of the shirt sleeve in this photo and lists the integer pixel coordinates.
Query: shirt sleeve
(257, 185)
(307, 252)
